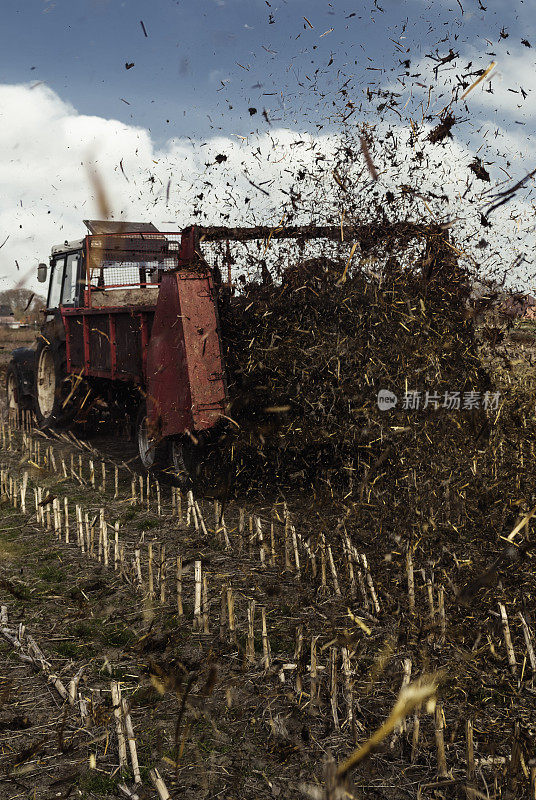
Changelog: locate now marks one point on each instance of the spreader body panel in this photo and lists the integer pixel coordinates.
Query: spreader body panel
(185, 381)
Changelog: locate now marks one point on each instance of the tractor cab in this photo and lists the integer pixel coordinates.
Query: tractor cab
(114, 256)
(65, 278)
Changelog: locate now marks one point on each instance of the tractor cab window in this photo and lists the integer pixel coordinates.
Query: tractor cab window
(56, 281)
(70, 283)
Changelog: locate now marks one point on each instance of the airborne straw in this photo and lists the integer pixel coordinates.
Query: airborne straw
(479, 79)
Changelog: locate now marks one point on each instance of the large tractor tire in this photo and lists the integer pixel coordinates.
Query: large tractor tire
(153, 454)
(16, 401)
(51, 387)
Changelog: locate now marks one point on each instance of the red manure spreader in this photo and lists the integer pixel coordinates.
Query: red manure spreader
(131, 326)
(131, 318)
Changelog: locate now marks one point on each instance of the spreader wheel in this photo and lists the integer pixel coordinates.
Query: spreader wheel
(153, 453)
(185, 461)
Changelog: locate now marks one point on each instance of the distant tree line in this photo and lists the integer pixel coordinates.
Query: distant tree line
(25, 304)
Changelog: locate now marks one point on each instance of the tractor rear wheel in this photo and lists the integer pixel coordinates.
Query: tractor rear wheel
(153, 453)
(51, 388)
(46, 383)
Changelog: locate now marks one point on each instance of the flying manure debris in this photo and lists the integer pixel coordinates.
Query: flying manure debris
(307, 356)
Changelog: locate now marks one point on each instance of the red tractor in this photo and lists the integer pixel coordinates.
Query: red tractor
(131, 319)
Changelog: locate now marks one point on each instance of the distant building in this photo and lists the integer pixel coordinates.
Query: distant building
(518, 306)
(492, 304)
(513, 305)
(530, 311)
(6, 316)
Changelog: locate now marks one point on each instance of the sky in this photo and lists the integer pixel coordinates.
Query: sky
(272, 86)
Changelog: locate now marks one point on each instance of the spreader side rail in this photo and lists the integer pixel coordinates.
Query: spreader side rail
(128, 261)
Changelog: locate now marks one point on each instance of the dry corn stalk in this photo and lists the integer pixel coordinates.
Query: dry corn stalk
(412, 696)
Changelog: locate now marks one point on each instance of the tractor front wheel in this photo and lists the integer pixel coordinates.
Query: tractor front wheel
(16, 402)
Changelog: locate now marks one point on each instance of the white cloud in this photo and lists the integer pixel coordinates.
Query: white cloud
(509, 89)
(217, 76)
(46, 149)
(509, 94)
